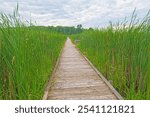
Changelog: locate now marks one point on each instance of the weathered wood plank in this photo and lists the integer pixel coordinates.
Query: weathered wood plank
(75, 78)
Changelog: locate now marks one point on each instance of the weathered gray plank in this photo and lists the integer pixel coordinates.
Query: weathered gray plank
(76, 79)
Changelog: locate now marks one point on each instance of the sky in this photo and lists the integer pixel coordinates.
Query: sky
(89, 13)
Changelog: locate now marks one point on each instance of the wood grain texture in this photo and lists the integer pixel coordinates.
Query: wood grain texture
(74, 78)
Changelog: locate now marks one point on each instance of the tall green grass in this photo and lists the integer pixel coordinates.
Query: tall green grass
(27, 58)
(122, 53)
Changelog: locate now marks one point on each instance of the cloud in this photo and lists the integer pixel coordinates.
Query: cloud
(91, 13)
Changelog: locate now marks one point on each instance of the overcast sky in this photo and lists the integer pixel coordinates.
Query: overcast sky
(89, 13)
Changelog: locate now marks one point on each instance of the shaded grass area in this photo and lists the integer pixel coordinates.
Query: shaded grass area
(122, 53)
(27, 58)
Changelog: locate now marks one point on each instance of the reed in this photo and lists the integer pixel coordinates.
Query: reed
(122, 53)
(27, 57)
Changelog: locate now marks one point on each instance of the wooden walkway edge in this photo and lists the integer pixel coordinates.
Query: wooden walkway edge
(75, 77)
(49, 84)
(118, 96)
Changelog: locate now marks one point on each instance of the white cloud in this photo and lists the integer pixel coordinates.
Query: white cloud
(93, 13)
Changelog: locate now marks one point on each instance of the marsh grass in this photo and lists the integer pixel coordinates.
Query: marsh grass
(27, 57)
(122, 53)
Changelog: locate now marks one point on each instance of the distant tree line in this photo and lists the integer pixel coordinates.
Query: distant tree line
(62, 29)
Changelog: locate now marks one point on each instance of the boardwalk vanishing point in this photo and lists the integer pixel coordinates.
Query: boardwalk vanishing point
(75, 78)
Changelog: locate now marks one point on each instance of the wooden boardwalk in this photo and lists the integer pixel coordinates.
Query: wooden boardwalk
(75, 78)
